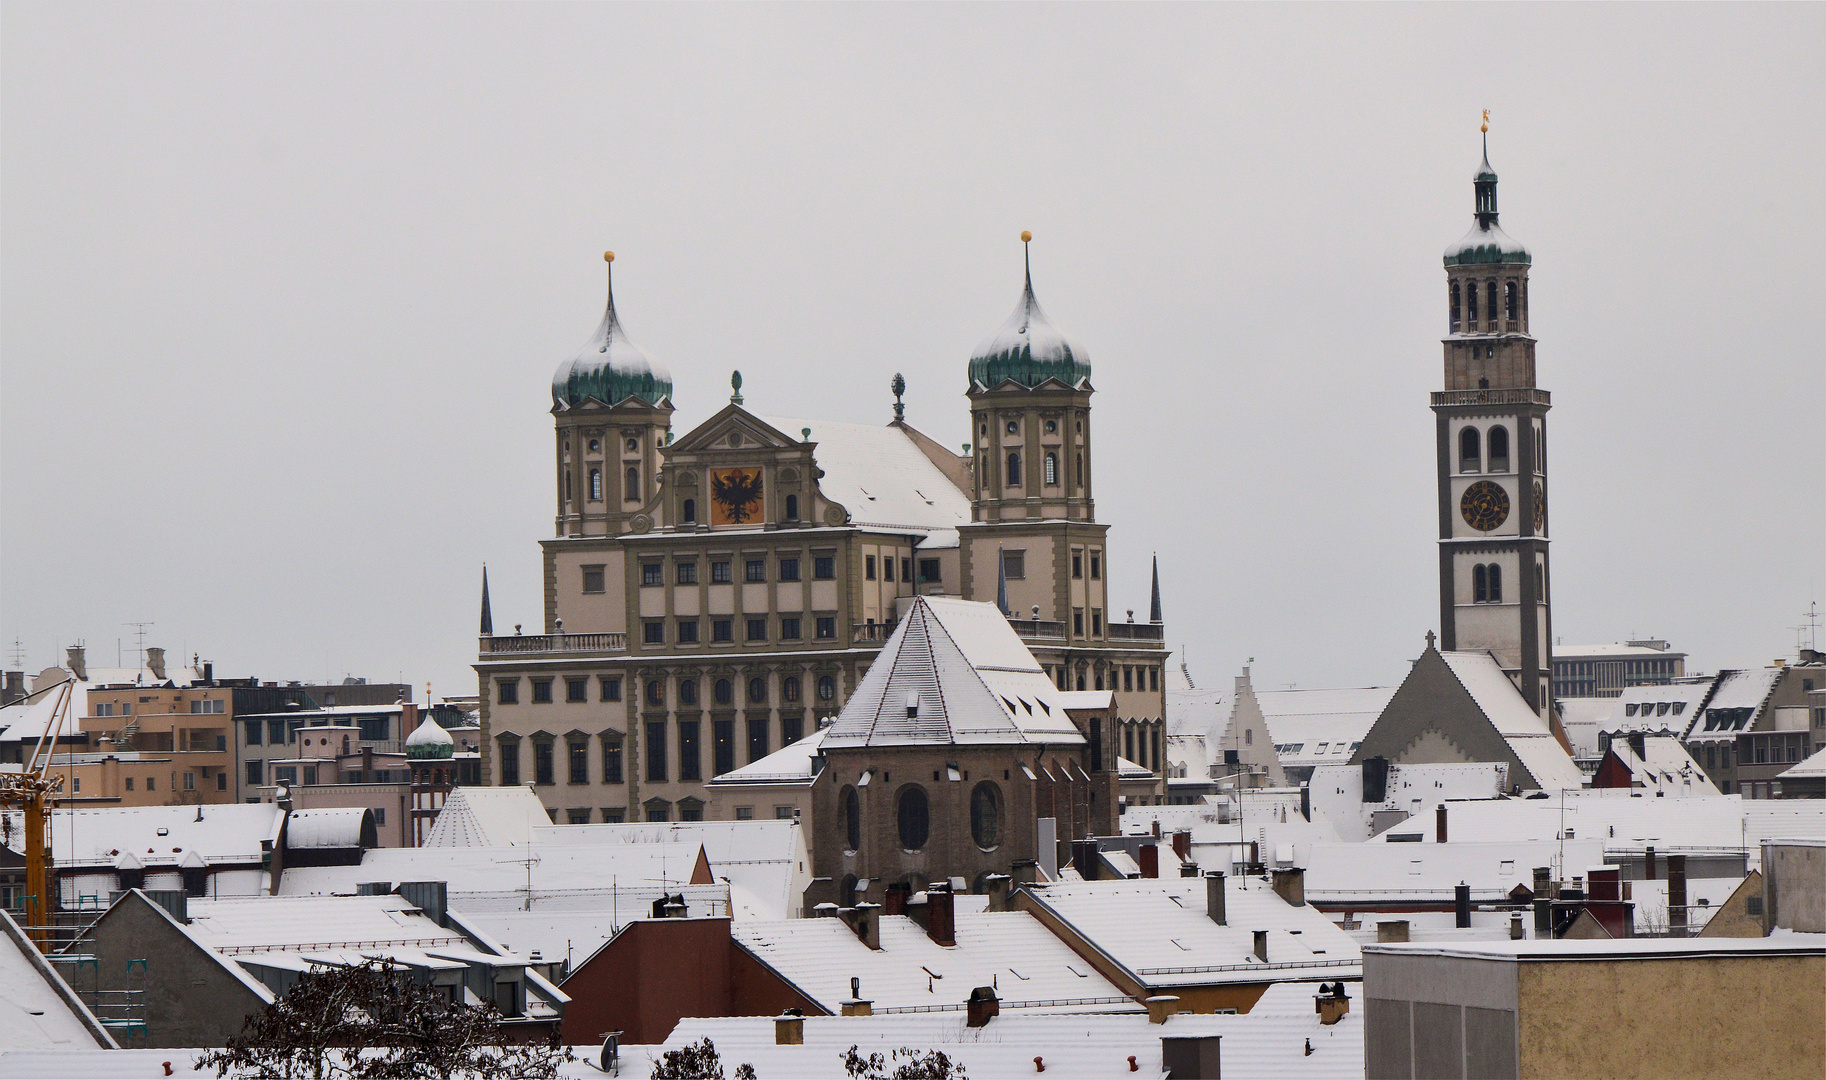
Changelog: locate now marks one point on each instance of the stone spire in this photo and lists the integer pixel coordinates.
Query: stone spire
(1001, 583)
(1154, 605)
(488, 618)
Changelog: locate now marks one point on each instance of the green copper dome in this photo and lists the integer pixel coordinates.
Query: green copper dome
(1486, 243)
(1029, 350)
(610, 369)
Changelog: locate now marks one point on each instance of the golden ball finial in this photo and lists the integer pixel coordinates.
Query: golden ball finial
(608, 256)
(1486, 128)
(1026, 236)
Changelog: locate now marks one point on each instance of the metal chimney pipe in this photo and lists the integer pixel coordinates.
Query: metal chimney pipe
(1461, 903)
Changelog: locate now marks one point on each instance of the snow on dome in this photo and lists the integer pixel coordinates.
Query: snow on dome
(429, 740)
(610, 368)
(1487, 244)
(1029, 350)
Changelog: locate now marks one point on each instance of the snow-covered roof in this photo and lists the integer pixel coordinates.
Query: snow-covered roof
(609, 368)
(160, 836)
(1611, 650)
(763, 862)
(497, 878)
(1813, 767)
(1345, 873)
(1582, 717)
(791, 764)
(575, 935)
(486, 817)
(1672, 706)
(1734, 705)
(1646, 948)
(1196, 712)
(1029, 966)
(326, 827)
(1704, 897)
(1158, 929)
(1321, 726)
(1528, 735)
(1627, 821)
(38, 1011)
(1664, 766)
(1028, 349)
(953, 671)
(1486, 243)
(880, 476)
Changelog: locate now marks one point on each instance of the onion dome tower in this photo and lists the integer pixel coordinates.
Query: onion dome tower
(429, 740)
(612, 405)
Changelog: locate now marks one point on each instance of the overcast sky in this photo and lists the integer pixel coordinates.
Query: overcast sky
(283, 288)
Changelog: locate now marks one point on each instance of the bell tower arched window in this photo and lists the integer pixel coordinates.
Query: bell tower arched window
(1480, 584)
(1499, 449)
(1469, 455)
(1471, 301)
(1014, 469)
(1051, 467)
(688, 511)
(1455, 307)
(595, 485)
(792, 508)
(1490, 294)
(1509, 301)
(630, 483)
(1496, 584)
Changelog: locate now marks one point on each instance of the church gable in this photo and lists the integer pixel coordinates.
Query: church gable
(734, 428)
(1433, 719)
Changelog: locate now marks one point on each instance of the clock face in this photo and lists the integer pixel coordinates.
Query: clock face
(1540, 508)
(735, 496)
(1484, 506)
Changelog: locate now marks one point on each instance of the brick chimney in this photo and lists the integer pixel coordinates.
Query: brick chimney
(77, 662)
(408, 718)
(789, 1028)
(981, 1007)
(1150, 860)
(155, 662)
(865, 920)
(1439, 822)
(1161, 1006)
(1391, 930)
(1214, 897)
(1331, 1003)
(941, 915)
(1261, 945)
(1677, 895)
(1182, 845)
(896, 899)
(996, 886)
(1290, 884)
(1085, 858)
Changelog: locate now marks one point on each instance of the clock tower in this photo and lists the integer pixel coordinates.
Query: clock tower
(1491, 423)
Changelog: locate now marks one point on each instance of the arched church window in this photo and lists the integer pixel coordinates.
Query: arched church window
(1052, 469)
(688, 511)
(757, 691)
(1469, 447)
(595, 485)
(852, 820)
(1014, 469)
(827, 688)
(1480, 584)
(1499, 449)
(792, 508)
(1471, 301)
(1509, 301)
(724, 691)
(1454, 302)
(630, 483)
(1496, 584)
(986, 816)
(1490, 295)
(656, 693)
(687, 691)
(914, 819)
(1080, 464)
(789, 688)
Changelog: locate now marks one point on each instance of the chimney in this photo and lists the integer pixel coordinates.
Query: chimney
(789, 1028)
(1156, 825)
(1543, 903)
(1290, 884)
(826, 910)
(1677, 895)
(1150, 860)
(996, 886)
(941, 915)
(77, 663)
(1084, 857)
(155, 662)
(1331, 1003)
(1638, 744)
(1214, 897)
(1515, 926)
(1375, 779)
(1182, 845)
(431, 897)
(1261, 945)
(1648, 864)
(897, 899)
(856, 1004)
(1439, 822)
(408, 718)
(1191, 1057)
(1461, 904)
(1606, 884)
(865, 920)
(981, 1006)
(1026, 872)
(1161, 1006)
(1392, 930)
(176, 902)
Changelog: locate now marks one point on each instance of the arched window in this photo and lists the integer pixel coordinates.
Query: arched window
(1499, 449)
(789, 688)
(1080, 466)
(1496, 584)
(1052, 469)
(567, 486)
(1454, 307)
(1509, 301)
(1469, 457)
(852, 820)
(595, 485)
(986, 816)
(656, 693)
(688, 511)
(1480, 584)
(757, 691)
(687, 691)
(1014, 469)
(846, 891)
(725, 692)
(1524, 304)
(792, 508)
(630, 484)
(915, 823)
(1490, 296)
(827, 688)
(1471, 302)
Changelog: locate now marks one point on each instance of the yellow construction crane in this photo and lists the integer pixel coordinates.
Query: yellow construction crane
(33, 790)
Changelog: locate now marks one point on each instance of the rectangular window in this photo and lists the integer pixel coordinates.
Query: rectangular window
(906, 569)
(614, 815)
(755, 570)
(1014, 565)
(887, 568)
(868, 567)
(611, 687)
(1096, 566)
(687, 631)
(275, 729)
(577, 817)
(375, 728)
(744, 813)
(310, 777)
(652, 573)
(757, 629)
(789, 628)
(757, 738)
(722, 630)
(1153, 678)
(722, 735)
(152, 781)
(656, 752)
(611, 760)
(1077, 564)
(719, 572)
(507, 692)
(686, 573)
(827, 627)
(1078, 622)
(1096, 622)
(824, 567)
(129, 783)
(1128, 678)
(542, 691)
(792, 729)
(930, 571)
(542, 763)
(789, 569)
(576, 688)
(253, 732)
(653, 632)
(256, 775)
(593, 579)
(689, 759)
(580, 762)
(784, 813)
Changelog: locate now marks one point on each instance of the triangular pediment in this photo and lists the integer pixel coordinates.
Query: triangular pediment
(748, 431)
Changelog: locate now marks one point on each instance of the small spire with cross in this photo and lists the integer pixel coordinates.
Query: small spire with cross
(1431, 638)
(899, 386)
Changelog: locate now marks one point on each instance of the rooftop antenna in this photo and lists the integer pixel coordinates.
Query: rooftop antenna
(18, 653)
(139, 629)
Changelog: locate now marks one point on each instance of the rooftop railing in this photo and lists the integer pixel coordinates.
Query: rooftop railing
(1038, 629)
(532, 644)
(1135, 631)
(1515, 396)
